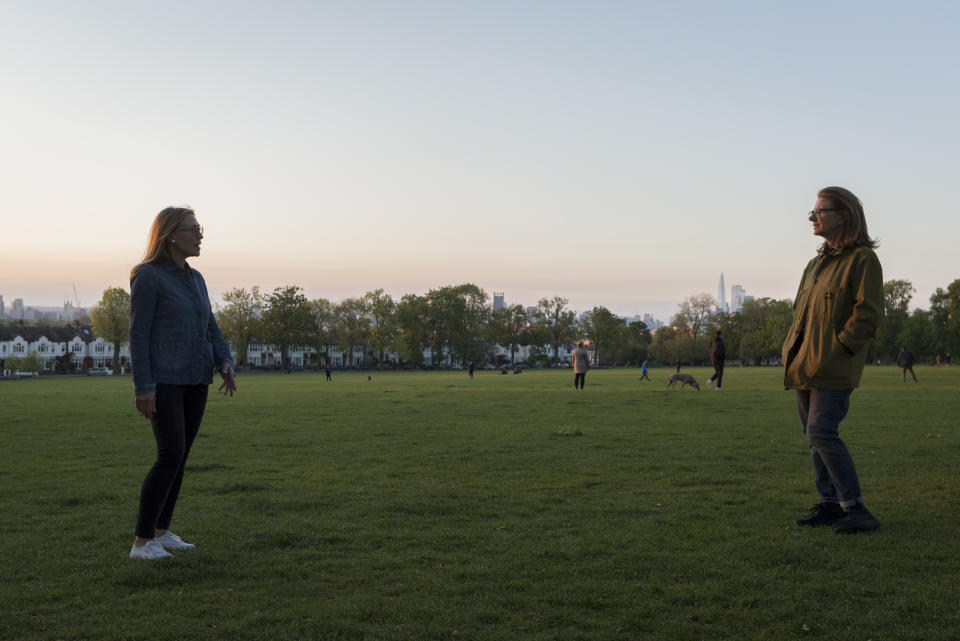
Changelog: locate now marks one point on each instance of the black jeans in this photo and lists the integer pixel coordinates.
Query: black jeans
(578, 379)
(179, 412)
(717, 374)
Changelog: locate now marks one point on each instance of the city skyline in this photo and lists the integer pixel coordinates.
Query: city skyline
(496, 299)
(617, 154)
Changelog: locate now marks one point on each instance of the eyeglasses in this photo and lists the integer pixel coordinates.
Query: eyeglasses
(818, 213)
(196, 229)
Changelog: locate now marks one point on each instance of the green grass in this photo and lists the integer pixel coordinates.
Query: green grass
(428, 506)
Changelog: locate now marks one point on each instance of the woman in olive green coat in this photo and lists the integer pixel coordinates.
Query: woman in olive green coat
(836, 312)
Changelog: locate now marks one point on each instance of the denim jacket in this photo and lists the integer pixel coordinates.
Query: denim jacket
(174, 337)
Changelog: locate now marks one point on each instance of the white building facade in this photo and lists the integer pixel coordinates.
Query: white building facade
(73, 348)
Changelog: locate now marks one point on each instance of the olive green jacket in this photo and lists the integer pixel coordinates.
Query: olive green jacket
(835, 318)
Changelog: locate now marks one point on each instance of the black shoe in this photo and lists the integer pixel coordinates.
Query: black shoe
(822, 514)
(857, 519)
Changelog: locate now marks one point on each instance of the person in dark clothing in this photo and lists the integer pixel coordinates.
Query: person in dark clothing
(905, 362)
(326, 370)
(470, 367)
(718, 353)
(175, 346)
(838, 306)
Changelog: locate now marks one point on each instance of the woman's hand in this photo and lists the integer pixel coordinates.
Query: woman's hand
(229, 385)
(147, 405)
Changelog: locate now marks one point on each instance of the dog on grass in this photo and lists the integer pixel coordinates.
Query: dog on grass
(683, 379)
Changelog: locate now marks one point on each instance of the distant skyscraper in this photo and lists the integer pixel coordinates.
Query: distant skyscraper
(722, 296)
(739, 296)
(1, 307)
(16, 311)
(497, 300)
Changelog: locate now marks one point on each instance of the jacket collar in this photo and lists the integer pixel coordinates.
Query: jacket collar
(824, 250)
(173, 268)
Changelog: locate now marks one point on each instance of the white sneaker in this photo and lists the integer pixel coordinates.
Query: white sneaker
(149, 551)
(171, 541)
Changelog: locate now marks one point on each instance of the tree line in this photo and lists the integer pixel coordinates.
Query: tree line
(458, 323)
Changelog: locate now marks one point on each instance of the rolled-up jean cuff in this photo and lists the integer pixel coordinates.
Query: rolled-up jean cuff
(852, 502)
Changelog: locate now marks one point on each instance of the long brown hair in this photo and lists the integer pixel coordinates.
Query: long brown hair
(166, 222)
(853, 222)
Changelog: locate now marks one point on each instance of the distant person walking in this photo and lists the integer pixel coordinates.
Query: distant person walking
(836, 312)
(581, 363)
(905, 363)
(326, 370)
(718, 354)
(946, 359)
(643, 371)
(470, 367)
(175, 345)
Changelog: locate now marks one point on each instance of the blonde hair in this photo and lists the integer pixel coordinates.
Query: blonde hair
(853, 222)
(166, 222)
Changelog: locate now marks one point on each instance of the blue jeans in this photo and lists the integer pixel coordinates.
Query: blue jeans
(833, 472)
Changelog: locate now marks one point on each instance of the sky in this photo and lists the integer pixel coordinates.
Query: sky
(613, 153)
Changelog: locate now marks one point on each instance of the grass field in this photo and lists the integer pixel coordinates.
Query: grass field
(429, 506)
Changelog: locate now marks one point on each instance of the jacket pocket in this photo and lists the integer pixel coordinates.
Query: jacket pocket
(168, 358)
(836, 361)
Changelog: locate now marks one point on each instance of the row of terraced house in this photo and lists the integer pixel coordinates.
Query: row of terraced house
(60, 349)
(74, 347)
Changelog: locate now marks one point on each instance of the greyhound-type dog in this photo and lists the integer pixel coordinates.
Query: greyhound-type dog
(684, 379)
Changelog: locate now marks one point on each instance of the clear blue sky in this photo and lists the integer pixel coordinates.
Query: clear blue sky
(615, 153)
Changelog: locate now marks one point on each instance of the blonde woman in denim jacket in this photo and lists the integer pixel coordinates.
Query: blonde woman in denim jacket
(836, 313)
(175, 346)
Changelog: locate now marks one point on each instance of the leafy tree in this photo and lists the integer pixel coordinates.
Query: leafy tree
(691, 322)
(12, 363)
(918, 336)
(896, 300)
(240, 318)
(63, 364)
(414, 334)
(384, 324)
(763, 326)
(325, 323)
(455, 317)
(731, 326)
(287, 320)
(639, 342)
(507, 326)
(31, 363)
(558, 322)
(695, 314)
(111, 320)
(945, 316)
(665, 348)
(353, 325)
(605, 330)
